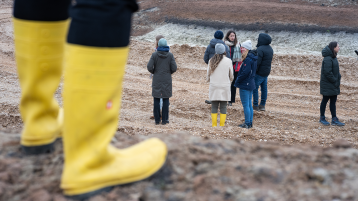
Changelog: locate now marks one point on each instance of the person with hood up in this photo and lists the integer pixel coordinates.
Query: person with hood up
(220, 75)
(235, 56)
(246, 81)
(264, 60)
(162, 65)
(210, 50)
(157, 38)
(330, 82)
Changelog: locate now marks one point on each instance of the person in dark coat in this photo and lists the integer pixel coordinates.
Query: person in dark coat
(162, 65)
(210, 50)
(330, 82)
(264, 60)
(246, 81)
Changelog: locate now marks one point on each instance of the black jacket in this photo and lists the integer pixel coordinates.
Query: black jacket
(265, 54)
(210, 50)
(162, 65)
(330, 76)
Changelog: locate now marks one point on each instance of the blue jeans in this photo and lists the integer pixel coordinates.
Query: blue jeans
(165, 110)
(260, 81)
(246, 100)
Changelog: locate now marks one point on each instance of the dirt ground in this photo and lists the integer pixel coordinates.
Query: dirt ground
(288, 155)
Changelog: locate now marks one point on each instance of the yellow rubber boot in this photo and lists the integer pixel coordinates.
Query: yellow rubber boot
(222, 119)
(214, 119)
(39, 55)
(92, 98)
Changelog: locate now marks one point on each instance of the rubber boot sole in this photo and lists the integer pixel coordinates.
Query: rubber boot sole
(36, 150)
(163, 173)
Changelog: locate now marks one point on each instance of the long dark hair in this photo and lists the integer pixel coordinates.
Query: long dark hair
(331, 46)
(228, 34)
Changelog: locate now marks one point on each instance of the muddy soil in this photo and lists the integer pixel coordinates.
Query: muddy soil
(288, 155)
(269, 15)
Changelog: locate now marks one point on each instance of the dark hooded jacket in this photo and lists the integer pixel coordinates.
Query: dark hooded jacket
(246, 75)
(265, 55)
(210, 50)
(162, 65)
(330, 76)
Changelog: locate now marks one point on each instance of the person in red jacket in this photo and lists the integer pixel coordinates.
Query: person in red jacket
(94, 58)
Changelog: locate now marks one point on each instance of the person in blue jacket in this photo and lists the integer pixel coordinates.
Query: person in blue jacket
(210, 50)
(245, 81)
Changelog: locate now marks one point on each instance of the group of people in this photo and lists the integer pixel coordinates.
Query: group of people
(232, 65)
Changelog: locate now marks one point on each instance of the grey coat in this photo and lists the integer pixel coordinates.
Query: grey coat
(330, 76)
(162, 65)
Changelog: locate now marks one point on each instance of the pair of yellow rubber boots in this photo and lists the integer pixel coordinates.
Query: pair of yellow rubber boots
(91, 99)
(214, 119)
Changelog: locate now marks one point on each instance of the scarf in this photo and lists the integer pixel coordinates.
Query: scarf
(237, 52)
(163, 48)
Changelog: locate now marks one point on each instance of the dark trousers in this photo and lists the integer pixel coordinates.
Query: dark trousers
(165, 110)
(233, 88)
(332, 105)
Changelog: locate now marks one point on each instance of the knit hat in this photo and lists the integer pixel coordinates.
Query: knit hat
(247, 44)
(162, 42)
(219, 34)
(219, 48)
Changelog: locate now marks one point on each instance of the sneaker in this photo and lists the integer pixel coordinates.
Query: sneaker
(261, 107)
(229, 103)
(207, 102)
(336, 122)
(243, 126)
(256, 108)
(156, 123)
(250, 125)
(323, 121)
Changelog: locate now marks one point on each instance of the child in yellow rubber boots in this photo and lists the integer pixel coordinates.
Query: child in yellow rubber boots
(94, 64)
(220, 75)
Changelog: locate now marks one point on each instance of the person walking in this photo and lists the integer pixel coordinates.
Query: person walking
(245, 81)
(93, 58)
(157, 38)
(235, 55)
(220, 75)
(210, 50)
(264, 60)
(162, 65)
(330, 83)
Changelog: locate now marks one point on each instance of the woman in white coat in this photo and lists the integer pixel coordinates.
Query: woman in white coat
(220, 75)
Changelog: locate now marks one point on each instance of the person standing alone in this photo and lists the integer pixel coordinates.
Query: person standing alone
(220, 75)
(162, 65)
(264, 60)
(330, 83)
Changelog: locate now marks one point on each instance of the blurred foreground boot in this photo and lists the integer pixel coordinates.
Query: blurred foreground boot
(336, 122)
(323, 121)
(92, 98)
(222, 119)
(39, 56)
(255, 108)
(214, 119)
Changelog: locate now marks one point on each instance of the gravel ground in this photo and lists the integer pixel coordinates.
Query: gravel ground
(288, 155)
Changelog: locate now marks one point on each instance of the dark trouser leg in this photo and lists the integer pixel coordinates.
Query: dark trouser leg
(165, 110)
(332, 105)
(214, 106)
(324, 104)
(156, 110)
(233, 89)
(223, 107)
